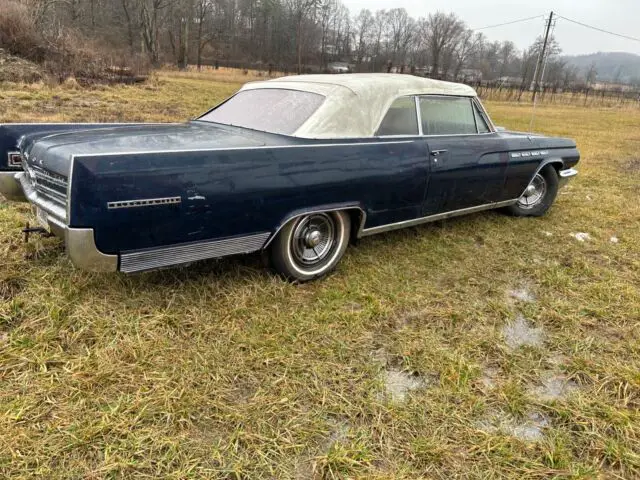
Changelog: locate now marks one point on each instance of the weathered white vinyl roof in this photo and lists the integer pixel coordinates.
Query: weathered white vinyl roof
(355, 103)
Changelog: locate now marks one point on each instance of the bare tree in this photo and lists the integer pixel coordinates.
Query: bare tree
(363, 25)
(302, 10)
(150, 18)
(468, 46)
(441, 32)
(401, 31)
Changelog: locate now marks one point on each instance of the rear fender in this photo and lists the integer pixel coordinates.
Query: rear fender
(356, 212)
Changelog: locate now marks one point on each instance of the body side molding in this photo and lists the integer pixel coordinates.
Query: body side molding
(154, 258)
(432, 218)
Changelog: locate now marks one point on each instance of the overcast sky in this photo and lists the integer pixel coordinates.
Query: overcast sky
(620, 16)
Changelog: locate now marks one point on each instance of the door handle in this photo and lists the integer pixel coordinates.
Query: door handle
(436, 154)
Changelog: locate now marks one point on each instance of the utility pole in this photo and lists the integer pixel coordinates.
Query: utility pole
(541, 58)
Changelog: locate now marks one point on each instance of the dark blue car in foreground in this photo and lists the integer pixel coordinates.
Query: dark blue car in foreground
(296, 166)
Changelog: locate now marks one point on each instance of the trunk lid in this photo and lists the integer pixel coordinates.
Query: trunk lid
(53, 152)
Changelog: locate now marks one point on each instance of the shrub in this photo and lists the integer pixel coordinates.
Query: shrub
(18, 33)
(63, 52)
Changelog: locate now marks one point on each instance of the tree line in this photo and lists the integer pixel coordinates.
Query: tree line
(298, 35)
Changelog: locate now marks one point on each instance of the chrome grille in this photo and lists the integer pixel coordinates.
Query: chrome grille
(48, 184)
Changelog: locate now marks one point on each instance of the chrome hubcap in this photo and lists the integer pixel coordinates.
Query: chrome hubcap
(534, 193)
(313, 239)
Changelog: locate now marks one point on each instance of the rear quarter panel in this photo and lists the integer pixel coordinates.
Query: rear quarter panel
(230, 193)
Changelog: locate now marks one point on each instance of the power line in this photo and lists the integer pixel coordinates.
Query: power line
(509, 23)
(600, 29)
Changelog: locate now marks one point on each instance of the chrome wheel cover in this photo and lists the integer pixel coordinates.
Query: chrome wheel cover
(313, 239)
(534, 194)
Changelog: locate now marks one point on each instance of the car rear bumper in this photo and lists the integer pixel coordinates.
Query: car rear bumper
(79, 242)
(10, 187)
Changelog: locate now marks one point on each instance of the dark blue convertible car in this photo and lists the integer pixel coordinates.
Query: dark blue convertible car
(297, 166)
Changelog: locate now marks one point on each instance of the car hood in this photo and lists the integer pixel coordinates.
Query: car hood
(54, 151)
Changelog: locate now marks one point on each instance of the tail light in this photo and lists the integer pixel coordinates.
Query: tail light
(15, 160)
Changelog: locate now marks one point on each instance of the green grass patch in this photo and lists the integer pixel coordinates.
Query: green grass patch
(223, 370)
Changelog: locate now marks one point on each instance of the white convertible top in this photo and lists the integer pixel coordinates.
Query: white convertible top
(355, 103)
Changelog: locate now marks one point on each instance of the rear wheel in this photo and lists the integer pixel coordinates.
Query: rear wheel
(539, 194)
(310, 246)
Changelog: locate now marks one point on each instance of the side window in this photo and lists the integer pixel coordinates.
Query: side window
(480, 121)
(447, 115)
(401, 119)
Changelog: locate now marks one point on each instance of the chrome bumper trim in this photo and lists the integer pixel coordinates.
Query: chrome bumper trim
(48, 206)
(566, 175)
(82, 249)
(10, 187)
(79, 242)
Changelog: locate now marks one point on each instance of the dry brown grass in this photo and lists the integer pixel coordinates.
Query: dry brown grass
(224, 371)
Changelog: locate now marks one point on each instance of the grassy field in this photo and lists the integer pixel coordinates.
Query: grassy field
(481, 347)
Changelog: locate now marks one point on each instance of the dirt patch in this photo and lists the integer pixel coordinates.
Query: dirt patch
(19, 70)
(10, 287)
(528, 429)
(522, 294)
(521, 332)
(553, 387)
(581, 236)
(352, 307)
(632, 165)
(489, 378)
(398, 384)
(307, 465)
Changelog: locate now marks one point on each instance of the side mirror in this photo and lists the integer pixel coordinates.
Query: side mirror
(500, 129)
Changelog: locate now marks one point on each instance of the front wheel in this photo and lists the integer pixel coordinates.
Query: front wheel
(310, 246)
(538, 196)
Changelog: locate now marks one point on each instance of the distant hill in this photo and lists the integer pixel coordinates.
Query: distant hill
(618, 67)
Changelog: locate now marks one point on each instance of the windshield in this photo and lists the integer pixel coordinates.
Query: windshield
(267, 109)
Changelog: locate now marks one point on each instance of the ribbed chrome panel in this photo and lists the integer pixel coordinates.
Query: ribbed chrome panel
(49, 185)
(45, 203)
(145, 202)
(150, 259)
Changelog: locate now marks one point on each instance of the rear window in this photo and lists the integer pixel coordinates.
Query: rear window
(270, 110)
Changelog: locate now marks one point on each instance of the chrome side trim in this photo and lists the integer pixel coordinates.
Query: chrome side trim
(568, 173)
(10, 187)
(432, 218)
(416, 100)
(82, 249)
(231, 149)
(318, 210)
(150, 259)
(146, 202)
(484, 112)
